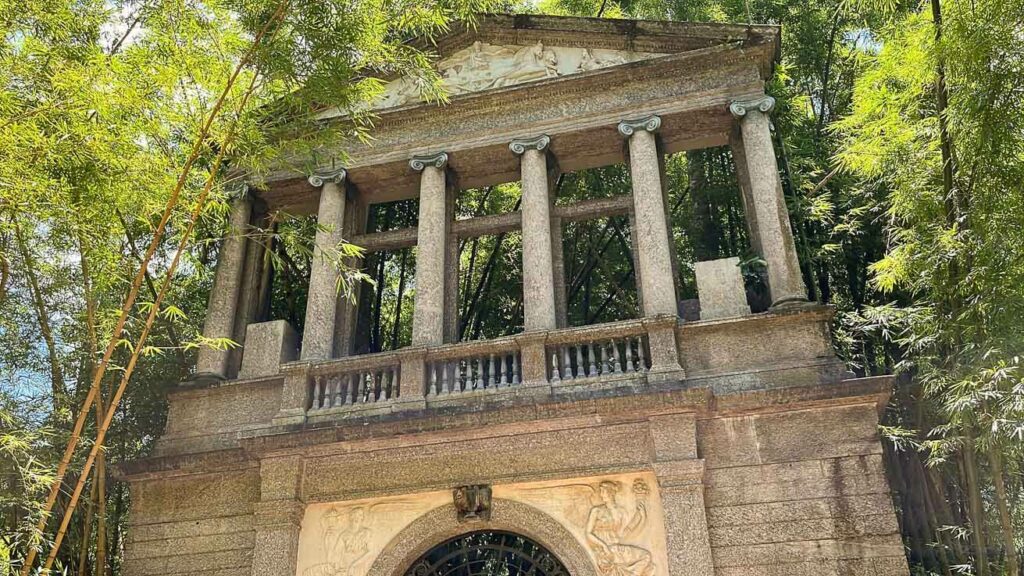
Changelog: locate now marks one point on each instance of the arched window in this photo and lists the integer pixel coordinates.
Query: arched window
(488, 553)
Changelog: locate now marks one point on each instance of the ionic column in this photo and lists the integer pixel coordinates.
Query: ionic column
(538, 266)
(322, 301)
(223, 304)
(653, 253)
(767, 204)
(431, 250)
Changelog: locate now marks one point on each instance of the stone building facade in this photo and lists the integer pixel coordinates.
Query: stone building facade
(730, 444)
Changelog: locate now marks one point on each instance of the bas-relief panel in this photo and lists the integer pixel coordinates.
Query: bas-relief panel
(484, 66)
(617, 519)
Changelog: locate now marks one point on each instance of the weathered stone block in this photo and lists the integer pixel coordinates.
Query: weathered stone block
(267, 346)
(720, 286)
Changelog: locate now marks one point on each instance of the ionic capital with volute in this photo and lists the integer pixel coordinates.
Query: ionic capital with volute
(519, 146)
(648, 123)
(419, 162)
(320, 177)
(740, 108)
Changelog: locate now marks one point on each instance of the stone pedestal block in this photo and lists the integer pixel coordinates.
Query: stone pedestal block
(720, 286)
(661, 339)
(533, 354)
(267, 346)
(295, 395)
(413, 379)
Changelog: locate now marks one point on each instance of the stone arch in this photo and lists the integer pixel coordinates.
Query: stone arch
(441, 524)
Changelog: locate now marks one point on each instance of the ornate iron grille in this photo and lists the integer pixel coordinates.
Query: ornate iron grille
(488, 553)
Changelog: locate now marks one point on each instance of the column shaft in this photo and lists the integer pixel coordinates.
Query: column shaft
(227, 282)
(770, 216)
(431, 255)
(322, 300)
(538, 266)
(653, 255)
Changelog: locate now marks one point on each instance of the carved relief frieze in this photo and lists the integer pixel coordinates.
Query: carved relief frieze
(343, 539)
(617, 519)
(483, 66)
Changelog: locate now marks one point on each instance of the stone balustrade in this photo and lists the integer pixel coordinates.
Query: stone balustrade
(617, 349)
(591, 355)
(469, 366)
(354, 382)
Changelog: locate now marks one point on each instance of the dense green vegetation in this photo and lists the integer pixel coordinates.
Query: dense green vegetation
(901, 147)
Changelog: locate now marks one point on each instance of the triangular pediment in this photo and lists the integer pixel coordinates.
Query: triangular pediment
(485, 66)
(501, 51)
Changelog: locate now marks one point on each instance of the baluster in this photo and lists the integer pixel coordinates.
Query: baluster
(492, 379)
(515, 368)
(432, 387)
(504, 371)
(567, 371)
(629, 355)
(479, 383)
(614, 358)
(443, 383)
(331, 386)
(357, 387)
(385, 384)
(463, 372)
(592, 367)
(555, 376)
(641, 363)
(581, 368)
(318, 392)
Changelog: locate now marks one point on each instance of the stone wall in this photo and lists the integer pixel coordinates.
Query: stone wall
(790, 481)
(799, 493)
(197, 525)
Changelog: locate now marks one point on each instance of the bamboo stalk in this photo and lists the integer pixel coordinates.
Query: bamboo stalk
(154, 309)
(995, 460)
(83, 554)
(133, 293)
(974, 504)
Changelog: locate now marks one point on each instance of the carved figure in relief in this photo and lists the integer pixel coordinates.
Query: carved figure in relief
(530, 63)
(612, 524)
(590, 61)
(345, 541)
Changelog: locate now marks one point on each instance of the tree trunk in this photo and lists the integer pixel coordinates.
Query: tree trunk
(57, 387)
(995, 460)
(974, 505)
(398, 301)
